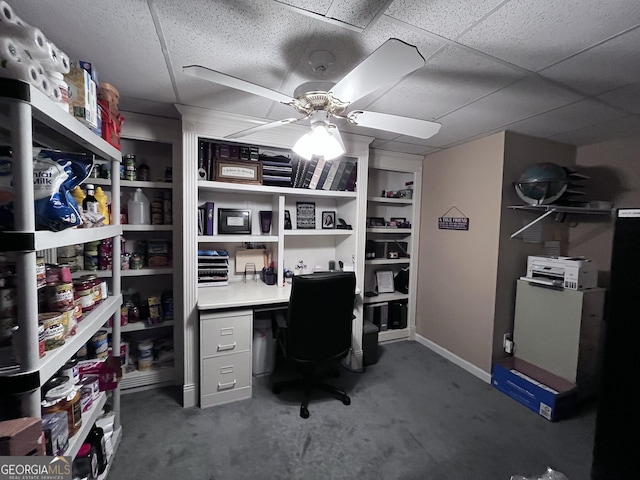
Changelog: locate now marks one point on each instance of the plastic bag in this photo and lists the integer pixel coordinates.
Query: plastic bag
(550, 474)
(55, 174)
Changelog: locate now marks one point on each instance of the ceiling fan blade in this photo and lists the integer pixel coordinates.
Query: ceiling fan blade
(391, 61)
(204, 73)
(265, 126)
(395, 123)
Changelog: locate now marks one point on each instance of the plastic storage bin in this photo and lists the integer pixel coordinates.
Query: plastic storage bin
(369, 343)
(264, 345)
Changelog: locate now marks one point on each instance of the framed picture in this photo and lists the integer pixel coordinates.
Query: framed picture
(375, 222)
(237, 171)
(329, 219)
(287, 220)
(397, 221)
(384, 281)
(306, 215)
(235, 221)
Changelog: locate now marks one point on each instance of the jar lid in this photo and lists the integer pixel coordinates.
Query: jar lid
(60, 392)
(145, 345)
(55, 382)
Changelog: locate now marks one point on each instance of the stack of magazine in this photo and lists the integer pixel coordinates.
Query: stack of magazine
(213, 268)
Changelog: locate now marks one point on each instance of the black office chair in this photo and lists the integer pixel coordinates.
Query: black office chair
(316, 333)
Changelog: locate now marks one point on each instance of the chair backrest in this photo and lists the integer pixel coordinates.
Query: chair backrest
(320, 316)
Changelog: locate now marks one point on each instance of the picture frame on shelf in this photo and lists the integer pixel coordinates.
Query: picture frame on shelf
(287, 220)
(329, 219)
(305, 215)
(375, 222)
(234, 221)
(384, 281)
(397, 222)
(238, 171)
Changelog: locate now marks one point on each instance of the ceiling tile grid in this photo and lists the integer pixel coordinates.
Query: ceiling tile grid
(621, 128)
(123, 46)
(535, 34)
(626, 98)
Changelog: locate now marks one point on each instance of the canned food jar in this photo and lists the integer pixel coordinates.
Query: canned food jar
(129, 166)
(145, 355)
(135, 261)
(65, 398)
(84, 289)
(70, 369)
(54, 331)
(95, 288)
(143, 173)
(41, 342)
(91, 382)
(60, 297)
(41, 272)
(99, 344)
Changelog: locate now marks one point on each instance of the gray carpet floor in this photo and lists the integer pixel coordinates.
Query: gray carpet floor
(414, 415)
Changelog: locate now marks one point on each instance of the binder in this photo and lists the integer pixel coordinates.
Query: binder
(317, 172)
(348, 168)
(331, 175)
(208, 228)
(336, 179)
(325, 172)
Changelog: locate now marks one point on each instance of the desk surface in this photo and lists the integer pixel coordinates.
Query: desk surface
(242, 295)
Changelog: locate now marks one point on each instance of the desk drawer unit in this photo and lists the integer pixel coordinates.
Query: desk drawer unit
(225, 356)
(225, 379)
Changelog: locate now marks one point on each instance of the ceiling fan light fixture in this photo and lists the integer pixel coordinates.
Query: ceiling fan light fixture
(323, 140)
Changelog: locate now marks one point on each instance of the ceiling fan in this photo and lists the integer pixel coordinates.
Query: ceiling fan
(322, 101)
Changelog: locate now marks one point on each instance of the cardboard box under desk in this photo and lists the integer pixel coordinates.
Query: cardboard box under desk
(540, 391)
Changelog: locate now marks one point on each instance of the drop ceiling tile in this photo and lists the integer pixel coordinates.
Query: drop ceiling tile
(404, 147)
(451, 79)
(620, 128)
(568, 118)
(248, 44)
(139, 105)
(448, 18)
(525, 98)
(359, 12)
(536, 34)
(627, 97)
(610, 65)
(123, 45)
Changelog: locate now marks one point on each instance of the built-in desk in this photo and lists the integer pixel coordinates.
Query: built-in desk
(242, 294)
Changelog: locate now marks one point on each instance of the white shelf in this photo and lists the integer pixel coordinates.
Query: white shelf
(318, 232)
(127, 227)
(152, 376)
(140, 326)
(391, 201)
(140, 272)
(389, 335)
(385, 297)
(387, 261)
(130, 183)
(237, 238)
(401, 231)
(48, 113)
(88, 419)
(42, 240)
(243, 189)
(88, 326)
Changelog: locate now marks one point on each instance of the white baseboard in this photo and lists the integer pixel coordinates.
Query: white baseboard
(189, 396)
(462, 363)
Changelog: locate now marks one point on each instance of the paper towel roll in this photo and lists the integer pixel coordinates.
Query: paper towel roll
(9, 50)
(30, 38)
(21, 71)
(7, 14)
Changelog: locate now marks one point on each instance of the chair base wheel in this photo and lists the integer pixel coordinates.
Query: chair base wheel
(346, 400)
(304, 412)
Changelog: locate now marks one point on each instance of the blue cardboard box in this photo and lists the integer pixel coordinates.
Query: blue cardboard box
(548, 395)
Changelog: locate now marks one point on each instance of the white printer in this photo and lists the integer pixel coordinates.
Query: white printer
(575, 273)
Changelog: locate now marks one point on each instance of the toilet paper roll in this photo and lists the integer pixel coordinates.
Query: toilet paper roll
(9, 50)
(45, 86)
(7, 15)
(21, 71)
(60, 59)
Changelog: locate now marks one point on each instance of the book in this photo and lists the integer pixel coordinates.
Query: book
(323, 175)
(308, 175)
(336, 179)
(295, 171)
(351, 182)
(208, 226)
(316, 173)
(348, 168)
(304, 166)
(331, 175)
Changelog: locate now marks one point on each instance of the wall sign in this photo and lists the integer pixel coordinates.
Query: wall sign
(453, 222)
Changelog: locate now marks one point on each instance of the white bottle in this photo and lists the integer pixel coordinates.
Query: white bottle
(57, 80)
(139, 212)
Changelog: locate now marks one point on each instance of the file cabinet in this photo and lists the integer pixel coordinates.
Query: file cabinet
(225, 356)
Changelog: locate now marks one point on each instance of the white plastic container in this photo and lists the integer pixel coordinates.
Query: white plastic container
(139, 209)
(145, 355)
(264, 347)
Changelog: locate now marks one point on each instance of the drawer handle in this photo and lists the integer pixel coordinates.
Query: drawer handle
(229, 346)
(226, 331)
(226, 386)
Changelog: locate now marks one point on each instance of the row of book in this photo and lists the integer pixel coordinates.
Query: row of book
(213, 268)
(321, 174)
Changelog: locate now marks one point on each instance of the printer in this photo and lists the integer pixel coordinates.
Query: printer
(574, 273)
